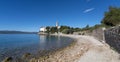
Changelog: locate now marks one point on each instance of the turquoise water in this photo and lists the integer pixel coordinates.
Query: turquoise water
(17, 44)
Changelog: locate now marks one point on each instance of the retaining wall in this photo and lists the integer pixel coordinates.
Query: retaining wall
(98, 33)
(112, 37)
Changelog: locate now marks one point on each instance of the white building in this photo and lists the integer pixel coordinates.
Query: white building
(42, 29)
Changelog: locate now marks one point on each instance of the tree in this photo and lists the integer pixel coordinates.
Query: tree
(67, 31)
(86, 28)
(112, 17)
(53, 29)
(64, 27)
(48, 29)
(77, 29)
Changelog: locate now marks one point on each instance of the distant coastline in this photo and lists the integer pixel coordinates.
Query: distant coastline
(16, 32)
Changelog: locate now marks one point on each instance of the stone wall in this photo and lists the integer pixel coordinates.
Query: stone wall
(112, 37)
(98, 33)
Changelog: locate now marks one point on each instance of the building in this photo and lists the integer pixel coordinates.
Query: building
(42, 29)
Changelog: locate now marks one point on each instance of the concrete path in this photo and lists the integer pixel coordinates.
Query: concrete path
(99, 52)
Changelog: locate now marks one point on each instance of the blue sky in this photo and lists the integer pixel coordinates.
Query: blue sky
(30, 15)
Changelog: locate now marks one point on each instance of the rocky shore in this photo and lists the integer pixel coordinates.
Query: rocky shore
(85, 49)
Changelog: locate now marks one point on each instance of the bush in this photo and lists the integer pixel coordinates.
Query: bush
(67, 31)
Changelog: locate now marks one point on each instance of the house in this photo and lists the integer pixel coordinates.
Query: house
(42, 29)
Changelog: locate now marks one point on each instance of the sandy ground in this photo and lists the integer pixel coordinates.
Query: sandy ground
(86, 49)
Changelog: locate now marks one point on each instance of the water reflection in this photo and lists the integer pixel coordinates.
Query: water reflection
(43, 42)
(49, 42)
(52, 42)
(58, 43)
(42, 39)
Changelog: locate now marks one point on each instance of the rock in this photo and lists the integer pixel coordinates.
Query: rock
(32, 60)
(26, 55)
(7, 59)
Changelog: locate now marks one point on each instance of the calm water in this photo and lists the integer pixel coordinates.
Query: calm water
(18, 44)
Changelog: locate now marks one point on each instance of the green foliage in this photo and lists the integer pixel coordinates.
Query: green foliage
(86, 28)
(48, 29)
(90, 29)
(77, 29)
(63, 28)
(67, 31)
(53, 29)
(112, 17)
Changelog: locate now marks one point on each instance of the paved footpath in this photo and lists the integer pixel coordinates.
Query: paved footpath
(99, 52)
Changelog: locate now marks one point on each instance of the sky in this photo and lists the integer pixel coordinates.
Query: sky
(30, 15)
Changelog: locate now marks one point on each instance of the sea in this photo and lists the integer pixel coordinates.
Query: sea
(15, 45)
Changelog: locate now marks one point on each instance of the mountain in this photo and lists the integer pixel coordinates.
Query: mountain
(16, 32)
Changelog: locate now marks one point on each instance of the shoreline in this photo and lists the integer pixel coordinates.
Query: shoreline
(42, 54)
(86, 49)
(82, 49)
(56, 55)
(51, 54)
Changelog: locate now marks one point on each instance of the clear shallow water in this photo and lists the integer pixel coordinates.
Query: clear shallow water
(17, 44)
